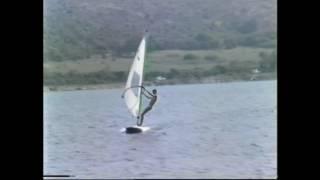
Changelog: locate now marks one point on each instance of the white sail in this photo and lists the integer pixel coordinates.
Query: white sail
(135, 78)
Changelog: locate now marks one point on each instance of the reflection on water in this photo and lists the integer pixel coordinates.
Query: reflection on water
(225, 130)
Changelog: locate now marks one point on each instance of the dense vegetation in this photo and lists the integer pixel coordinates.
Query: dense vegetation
(234, 69)
(78, 29)
(83, 30)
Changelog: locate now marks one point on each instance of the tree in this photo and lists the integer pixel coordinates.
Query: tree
(216, 70)
(173, 73)
(204, 41)
(229, 43)
(201, 37)
(211, 57)
(247, 27)
(130, 45)
(268, 62)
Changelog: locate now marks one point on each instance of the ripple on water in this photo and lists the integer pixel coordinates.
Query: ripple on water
(128, 159)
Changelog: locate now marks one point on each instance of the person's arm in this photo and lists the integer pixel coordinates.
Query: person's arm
(131, 88)
(125, 90)
(146, 95)
(150, 94)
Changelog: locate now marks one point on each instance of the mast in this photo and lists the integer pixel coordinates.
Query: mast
(145, 52)
(142, 78)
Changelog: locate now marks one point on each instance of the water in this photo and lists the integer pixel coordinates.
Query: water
(225, 130)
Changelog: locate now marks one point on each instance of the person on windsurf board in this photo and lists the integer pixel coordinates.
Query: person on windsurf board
(153, 98)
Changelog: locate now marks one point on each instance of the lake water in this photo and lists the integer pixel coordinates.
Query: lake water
(225, 130)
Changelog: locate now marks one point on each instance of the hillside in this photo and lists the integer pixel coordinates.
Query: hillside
(79, 29)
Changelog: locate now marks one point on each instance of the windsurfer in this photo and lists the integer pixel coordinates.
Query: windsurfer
(153, 97)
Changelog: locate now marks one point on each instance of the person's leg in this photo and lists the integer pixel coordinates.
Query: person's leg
(144, 112)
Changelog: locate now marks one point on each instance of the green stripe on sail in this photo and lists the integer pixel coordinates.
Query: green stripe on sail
(144, 66)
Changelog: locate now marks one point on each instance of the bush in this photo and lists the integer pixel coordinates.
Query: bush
(211, 57)
(219, 69)
(259, 40)
(190, 57)
(173, 73)
(239, 67)
(153, 74)
(52, 54)
(247, 27)
(201, 37)
(205, 41)
(268, 62)
(268, 44)
(185, 74)
(120, 75)
(197, 73)
(216, 70)
(229, 43)
(73, 77)
(173, 55)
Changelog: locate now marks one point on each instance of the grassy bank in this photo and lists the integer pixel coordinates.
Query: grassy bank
(207, 80)
(161, 61)
(177, 66)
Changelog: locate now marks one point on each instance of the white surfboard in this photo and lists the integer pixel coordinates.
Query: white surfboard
(135, 129)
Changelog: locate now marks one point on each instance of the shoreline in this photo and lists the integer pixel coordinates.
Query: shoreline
(118, 85)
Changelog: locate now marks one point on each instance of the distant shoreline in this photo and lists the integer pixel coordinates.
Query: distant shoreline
(210, 80)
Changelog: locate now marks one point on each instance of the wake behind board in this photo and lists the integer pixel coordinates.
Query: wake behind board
(135, 129)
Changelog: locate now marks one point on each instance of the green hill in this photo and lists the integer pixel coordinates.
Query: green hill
(80, 29)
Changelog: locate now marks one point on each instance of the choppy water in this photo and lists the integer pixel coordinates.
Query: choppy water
(225, 130)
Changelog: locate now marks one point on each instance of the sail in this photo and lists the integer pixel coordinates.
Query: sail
(132, 94)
